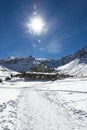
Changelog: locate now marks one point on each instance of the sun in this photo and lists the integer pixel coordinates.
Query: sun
(36, 25)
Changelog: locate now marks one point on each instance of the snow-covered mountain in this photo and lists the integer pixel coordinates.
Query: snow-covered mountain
(75, 68)
(19, 64)
(75, 64)
(81, 55)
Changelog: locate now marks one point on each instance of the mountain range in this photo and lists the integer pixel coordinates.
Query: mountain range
(75, 64)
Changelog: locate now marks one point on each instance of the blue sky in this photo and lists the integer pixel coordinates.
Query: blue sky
(66, 24)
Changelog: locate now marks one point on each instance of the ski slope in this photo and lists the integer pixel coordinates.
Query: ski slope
(52, 105)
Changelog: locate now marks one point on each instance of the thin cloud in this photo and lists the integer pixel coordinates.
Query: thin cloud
(53, 47)
(34, 45)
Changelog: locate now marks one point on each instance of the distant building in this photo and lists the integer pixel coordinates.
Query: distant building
(42, 68)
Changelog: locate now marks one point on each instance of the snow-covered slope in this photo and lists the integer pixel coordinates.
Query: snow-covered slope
(4, 72)
(75, 68)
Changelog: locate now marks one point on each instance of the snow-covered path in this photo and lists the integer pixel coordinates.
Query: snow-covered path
(38, 112)
(59, 105)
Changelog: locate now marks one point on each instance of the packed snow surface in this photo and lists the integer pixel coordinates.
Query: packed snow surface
(38, 105)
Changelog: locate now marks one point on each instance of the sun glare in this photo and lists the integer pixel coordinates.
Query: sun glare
(36, 25)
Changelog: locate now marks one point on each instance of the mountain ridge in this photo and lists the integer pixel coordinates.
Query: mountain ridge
(21, 64)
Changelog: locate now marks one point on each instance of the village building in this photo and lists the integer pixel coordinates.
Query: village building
(42, 68)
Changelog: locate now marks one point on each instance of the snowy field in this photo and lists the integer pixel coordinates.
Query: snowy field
(51, 105)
